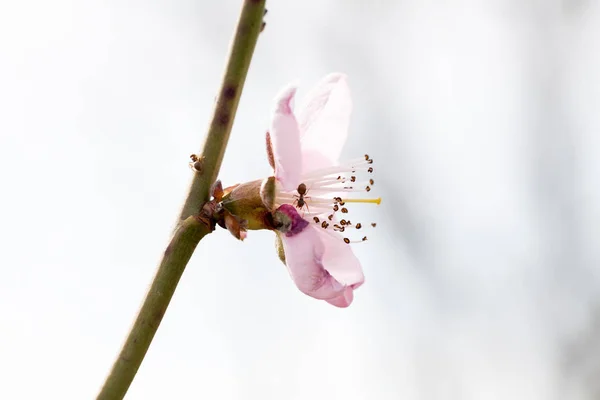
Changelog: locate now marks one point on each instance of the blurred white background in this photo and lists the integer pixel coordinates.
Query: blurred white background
(483, 277)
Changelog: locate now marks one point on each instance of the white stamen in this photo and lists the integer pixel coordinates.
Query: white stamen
(325, 192)
(360, 164)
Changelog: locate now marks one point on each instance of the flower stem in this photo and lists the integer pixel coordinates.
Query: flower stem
(190, 229)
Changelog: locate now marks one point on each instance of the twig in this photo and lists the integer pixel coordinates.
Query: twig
(191, 227)
(249, 26)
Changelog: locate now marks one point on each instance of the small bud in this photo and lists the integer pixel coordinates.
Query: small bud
(216, 191)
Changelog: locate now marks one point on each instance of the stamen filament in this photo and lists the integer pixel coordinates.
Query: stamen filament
(309, 200)
(333, 186)
(331, 189)
(346, 167)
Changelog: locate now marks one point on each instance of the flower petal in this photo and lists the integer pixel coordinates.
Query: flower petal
(304, 254)
(340, 261)
(343, 300)
(313, 159)
(325, 116)
(285, 139)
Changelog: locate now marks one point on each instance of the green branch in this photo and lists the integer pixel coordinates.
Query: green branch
(191, 227)
(242, 48)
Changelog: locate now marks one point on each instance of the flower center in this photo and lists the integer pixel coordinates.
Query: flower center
(322, 195)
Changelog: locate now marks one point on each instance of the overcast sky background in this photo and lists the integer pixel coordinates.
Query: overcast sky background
(483, 275)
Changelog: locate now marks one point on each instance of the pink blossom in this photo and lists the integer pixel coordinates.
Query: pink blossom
(306, 145)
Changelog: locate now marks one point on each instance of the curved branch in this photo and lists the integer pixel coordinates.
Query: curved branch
(191, 227)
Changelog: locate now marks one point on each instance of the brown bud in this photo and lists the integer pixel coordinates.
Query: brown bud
(216, 191)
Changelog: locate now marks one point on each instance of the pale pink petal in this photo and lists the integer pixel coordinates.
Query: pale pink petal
(304, 254)
(340, 261)
(313, 159)
(325, 116)
(285, 139)
(343, 300)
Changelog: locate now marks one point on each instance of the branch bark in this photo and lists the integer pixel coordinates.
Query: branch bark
(191, 228)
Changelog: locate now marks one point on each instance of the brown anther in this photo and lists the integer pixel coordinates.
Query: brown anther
(368, 188)
(346, 240)
(316, 219)
(366, 157)
(358, 226)
(371, 181)
(370, 170)
(370, 160)
(338, 227)
(324, 225)
(343, 222)
(337, 199)
(353, 178)
(373, 224)
(364, 238)
(339, 177)
(336, 207)
(344, 210)
(342, 203)
(330, 217)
